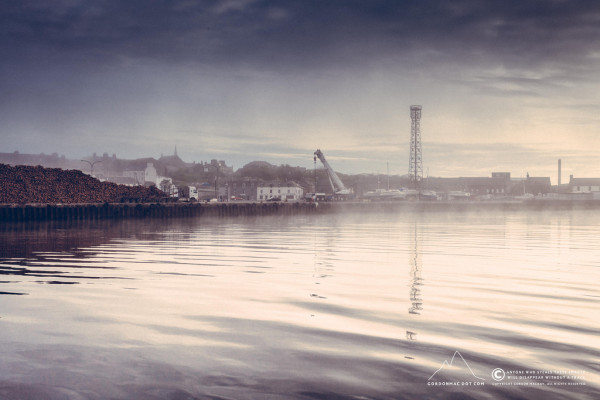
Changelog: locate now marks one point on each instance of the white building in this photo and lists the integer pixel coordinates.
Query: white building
(584, 185)
(150, 174)
(162, 182)
(289, 191)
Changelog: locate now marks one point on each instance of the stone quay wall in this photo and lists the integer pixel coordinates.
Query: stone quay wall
(105, 211)
(87, 212)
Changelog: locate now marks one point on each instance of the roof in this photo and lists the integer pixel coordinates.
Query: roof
(174, 161)
(278, 184)
(541, 180)
(483, 181)
(585, 182)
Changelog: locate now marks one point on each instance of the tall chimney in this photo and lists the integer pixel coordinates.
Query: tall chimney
(559, 172)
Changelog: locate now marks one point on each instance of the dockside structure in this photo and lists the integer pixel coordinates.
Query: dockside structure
(54, 212)
(114, 211)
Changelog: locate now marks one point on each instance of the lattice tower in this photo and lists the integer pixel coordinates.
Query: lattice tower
(415, 160)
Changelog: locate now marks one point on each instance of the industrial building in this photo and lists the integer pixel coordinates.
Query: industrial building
(500, 184)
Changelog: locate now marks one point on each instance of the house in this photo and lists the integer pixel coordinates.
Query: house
(289, 191)
(584, 185)
(151, 177)
(243, 189)
(216, 165)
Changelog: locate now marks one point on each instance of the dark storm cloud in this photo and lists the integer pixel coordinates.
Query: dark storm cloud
(299, 34)
(258, 78)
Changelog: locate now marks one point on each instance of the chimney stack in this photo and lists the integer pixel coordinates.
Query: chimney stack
(559, 175)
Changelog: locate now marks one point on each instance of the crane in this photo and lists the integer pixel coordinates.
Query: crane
(336, 183)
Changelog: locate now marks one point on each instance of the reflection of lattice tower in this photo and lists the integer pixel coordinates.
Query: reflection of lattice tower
(415, 275)
(415, 161)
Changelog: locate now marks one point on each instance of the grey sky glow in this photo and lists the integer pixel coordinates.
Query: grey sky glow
(505, 85)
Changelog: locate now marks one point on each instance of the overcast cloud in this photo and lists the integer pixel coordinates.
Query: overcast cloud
(504, 85)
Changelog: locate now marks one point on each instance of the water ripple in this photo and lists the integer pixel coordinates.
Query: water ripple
(319, 307)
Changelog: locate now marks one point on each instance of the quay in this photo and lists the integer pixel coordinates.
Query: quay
(89, 212)
(106, 211)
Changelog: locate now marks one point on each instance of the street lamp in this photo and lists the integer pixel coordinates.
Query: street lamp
(315, 169)
(91, 165)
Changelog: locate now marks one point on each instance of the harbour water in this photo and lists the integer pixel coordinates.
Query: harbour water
(341, 306)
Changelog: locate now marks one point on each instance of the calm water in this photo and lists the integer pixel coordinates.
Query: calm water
(382, 306)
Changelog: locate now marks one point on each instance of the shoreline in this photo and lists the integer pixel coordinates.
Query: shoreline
(102, 211)
(106, 211)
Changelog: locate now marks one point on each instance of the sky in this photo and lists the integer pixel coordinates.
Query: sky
(508, 85)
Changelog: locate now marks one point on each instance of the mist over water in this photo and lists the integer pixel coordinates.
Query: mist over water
(379, 306)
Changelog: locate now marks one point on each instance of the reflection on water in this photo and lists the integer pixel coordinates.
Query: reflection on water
(416, 280)
(379, 306)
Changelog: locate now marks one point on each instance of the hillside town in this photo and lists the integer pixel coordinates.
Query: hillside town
(214, 180)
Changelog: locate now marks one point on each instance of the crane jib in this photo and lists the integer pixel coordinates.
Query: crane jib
(336, 183)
